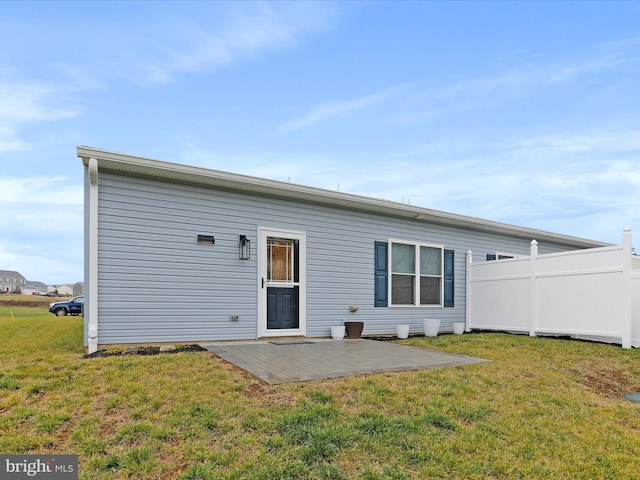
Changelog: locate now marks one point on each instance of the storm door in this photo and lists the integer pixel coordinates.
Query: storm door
(282, 295)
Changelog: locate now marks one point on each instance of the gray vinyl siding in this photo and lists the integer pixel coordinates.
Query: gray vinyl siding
(156, 284)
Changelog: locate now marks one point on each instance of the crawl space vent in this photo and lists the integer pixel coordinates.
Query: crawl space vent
(206, 239)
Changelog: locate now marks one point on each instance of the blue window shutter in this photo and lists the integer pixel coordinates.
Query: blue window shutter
(491, 256)
(448, 278)
(381, 278)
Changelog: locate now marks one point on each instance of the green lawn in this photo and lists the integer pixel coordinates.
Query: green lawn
(542, 408)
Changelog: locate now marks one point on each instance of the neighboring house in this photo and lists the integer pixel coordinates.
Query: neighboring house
(11, 281)
(78, 289)
(29, 290)
(34, 288)
(175, 253)
(64, 290)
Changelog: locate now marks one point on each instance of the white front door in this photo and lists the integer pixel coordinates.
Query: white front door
(281, 283)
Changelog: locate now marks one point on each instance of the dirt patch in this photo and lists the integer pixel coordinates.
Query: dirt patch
(257, 390)
(606, 379)
(28, 303)
(33, 301)
(268, 395)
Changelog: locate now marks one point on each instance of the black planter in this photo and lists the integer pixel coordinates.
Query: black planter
(354, 329)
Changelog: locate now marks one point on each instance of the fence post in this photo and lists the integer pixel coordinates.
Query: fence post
(533, 300)
(627, 321)
(468, 291)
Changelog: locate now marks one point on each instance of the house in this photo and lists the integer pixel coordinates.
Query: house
(29, 290)
(176, 253)
(11, 281)
(34, 288)
(64, 290)
(78, 289)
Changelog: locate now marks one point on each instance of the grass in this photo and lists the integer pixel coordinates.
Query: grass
(542, 408)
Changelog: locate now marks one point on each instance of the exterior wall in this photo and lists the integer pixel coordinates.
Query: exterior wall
(156, 284)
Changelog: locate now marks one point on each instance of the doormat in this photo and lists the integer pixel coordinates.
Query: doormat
(290, 342)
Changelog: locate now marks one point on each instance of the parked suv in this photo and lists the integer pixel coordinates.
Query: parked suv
(72, 307)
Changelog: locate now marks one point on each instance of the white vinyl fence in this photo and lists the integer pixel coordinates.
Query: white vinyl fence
(591, 293)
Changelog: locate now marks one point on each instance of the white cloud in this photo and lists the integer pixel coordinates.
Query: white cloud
(53, 191)
(528, 79)
(79, 78)
(251, 32)
(250, 29)
(46, 211)
(30, 101)
(41, 266)
(26, 102)
(10, 141)
(309, 169)
(41, 227)
(584, 183)
(505, 179)
(599, 59)
(596, 141)
(335, 109)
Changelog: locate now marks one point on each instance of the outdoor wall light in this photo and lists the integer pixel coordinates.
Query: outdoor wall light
(245, 247)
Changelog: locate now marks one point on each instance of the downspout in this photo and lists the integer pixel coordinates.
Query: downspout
(92, 328)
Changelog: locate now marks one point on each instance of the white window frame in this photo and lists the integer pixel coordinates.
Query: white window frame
(416, 274)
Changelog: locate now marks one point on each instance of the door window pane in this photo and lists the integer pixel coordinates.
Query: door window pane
(279, 260)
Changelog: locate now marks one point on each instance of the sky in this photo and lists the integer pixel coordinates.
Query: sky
(526, 113)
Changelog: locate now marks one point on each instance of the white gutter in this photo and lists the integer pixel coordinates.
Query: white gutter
(92, 287)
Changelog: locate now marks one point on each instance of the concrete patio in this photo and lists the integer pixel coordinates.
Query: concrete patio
(284, 361)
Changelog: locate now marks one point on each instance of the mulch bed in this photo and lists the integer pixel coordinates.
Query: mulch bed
(143, 350)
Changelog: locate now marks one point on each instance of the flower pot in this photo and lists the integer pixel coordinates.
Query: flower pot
(458, 328)
(337, 332)
(431, 327)
(354, 329)
(402, 331)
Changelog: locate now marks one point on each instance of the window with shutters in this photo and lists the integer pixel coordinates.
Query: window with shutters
(413, 274)
(416, 275)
